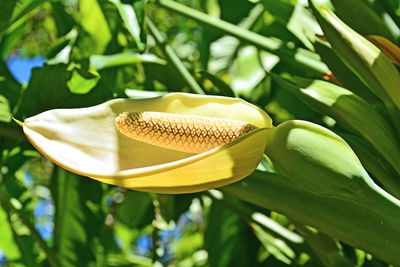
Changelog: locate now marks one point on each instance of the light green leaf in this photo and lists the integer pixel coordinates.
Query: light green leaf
(349, 110)
(7, 244)
(369, 63)
(5, 113)
(247, 72)
(94, 23)
(133, 18)
(79, 84)
(275, 246)
(22, 11)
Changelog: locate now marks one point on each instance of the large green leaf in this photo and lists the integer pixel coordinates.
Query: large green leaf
(375, 25)
(50, 87)
(228, 239)
(97, 34)
(349, 110)
(6, 10)
(359, 227)
(75, 223)
(343, 74)
(139, 217)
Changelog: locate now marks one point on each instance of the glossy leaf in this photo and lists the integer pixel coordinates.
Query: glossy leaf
(362, 57)
(375, 25)
(359, 227)
(350, 111)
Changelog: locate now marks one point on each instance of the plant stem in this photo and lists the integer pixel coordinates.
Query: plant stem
(173, 58)
(304, 59)
(5, 199)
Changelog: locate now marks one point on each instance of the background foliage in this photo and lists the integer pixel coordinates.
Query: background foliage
(89, 51)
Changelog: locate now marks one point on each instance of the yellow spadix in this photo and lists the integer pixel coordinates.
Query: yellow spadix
(87, 141)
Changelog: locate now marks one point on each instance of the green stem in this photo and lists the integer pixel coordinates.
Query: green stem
(11, 131)
(173, 58)
(304, 59)
(361, 227)
(5, 199)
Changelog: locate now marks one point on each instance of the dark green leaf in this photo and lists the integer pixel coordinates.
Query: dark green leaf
(6, 10)
(137, 210)
(75, 223)
(228, 239)
(48, 89)
(375, 25)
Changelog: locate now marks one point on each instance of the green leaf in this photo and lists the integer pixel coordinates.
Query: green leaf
(247, 72)
(327, 250)
(82, 82)
(133, 19)
(359, 227)
(22, 11)
(97, 33)
(75, 223)
(369, 63)
(62, 18)
(5, 113)
(10, 39)
(6, 10)
(374, 164)
(9, 87)
(276, 247)
(344, 74)
(172, 206)
(305, 60)
(297, 19)
(7, 244)
(136, 218)
(126, 58)
(228, 239)
(219, 87)
(375, 25)
(350, 111)
(48, 87)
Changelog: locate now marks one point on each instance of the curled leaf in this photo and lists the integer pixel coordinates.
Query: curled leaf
(87, 142)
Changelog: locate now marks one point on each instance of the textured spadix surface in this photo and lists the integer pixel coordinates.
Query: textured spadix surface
(86, 141)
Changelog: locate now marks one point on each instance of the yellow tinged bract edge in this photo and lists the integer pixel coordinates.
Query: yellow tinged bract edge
(86, 141)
